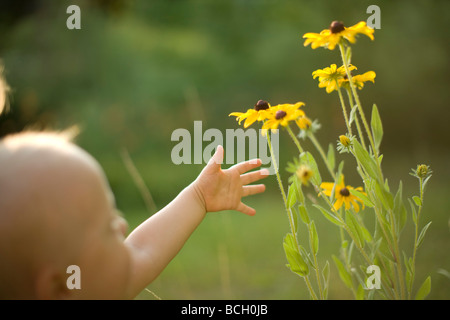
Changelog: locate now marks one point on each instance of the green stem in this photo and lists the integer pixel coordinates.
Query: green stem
(316, 264)
(311, 290)
(280, 185)
(397, 257)
(358, 126)
(316, 143)
(294, 138)
(344, 109)
(413, 264)
(358, 102)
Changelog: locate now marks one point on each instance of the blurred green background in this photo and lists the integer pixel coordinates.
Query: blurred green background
(138, 70)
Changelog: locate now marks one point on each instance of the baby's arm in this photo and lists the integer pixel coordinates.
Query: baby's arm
(155, 242)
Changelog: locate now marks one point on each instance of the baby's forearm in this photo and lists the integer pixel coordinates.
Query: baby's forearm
(155, 242)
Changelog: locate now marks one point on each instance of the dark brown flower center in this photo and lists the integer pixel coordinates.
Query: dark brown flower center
(280, 114)
(261, 105)
(336, 27)
(344, 192)
(346, 76)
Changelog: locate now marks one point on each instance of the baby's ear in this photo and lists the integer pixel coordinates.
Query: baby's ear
(50, 284)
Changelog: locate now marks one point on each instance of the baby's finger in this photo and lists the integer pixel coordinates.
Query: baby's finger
(253, 189)
(245, 166)
(217, 158)
(254, 176)
(246, 209)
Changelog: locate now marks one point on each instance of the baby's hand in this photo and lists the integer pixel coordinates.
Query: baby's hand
(223, 189)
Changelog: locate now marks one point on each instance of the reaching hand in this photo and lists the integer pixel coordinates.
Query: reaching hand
(224, 189)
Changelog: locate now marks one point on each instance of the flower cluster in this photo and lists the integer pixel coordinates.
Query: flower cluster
(274, 116)
(344, 203)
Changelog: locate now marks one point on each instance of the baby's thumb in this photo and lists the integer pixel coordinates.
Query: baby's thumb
(217, 159)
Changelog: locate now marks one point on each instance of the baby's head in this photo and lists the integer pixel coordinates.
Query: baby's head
(57, 210)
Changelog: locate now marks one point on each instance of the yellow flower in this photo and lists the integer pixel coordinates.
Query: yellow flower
(303, 123)
(304, 173)
(358, 80)
(258, 113)
(331, 37)
(329, 77)
(345, 141)
(342, 195)
(282, 114)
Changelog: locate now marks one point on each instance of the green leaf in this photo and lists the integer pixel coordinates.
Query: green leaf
(413, 211)
(314, 238)
(306, 256)
(366, 160)
(353, 114)
(386, 198)
(399, 208)
(298, 188)
(425, 182)
(360, 293)
(408, 278)
(362, 197)
(329, 216)
(340, 168)
(295, 218)
(326, 272)
(331, 156)
(354, 228)
(292, 196)
(348, 55)
(424, 290)
(417, 201)
(343, 274)
(303, 214)
(377, 128)
(398, 197)
(366, 234)
(326, 278)
(296, 262)
(422, 234)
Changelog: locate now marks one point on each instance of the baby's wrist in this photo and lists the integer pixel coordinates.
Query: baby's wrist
(198, 195)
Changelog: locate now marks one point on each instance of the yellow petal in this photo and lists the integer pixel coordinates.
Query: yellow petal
(338, 204)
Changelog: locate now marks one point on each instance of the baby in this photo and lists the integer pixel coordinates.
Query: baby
(57, 210)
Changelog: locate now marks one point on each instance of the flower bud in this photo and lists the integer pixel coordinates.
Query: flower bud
(423, 171)
(304, 173)
(345, 141)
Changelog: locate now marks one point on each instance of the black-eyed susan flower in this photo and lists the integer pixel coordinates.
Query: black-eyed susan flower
(330, 38)
(342, 194)
(358, 80)
(282, 114)
(329, 77)
(258, 113)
